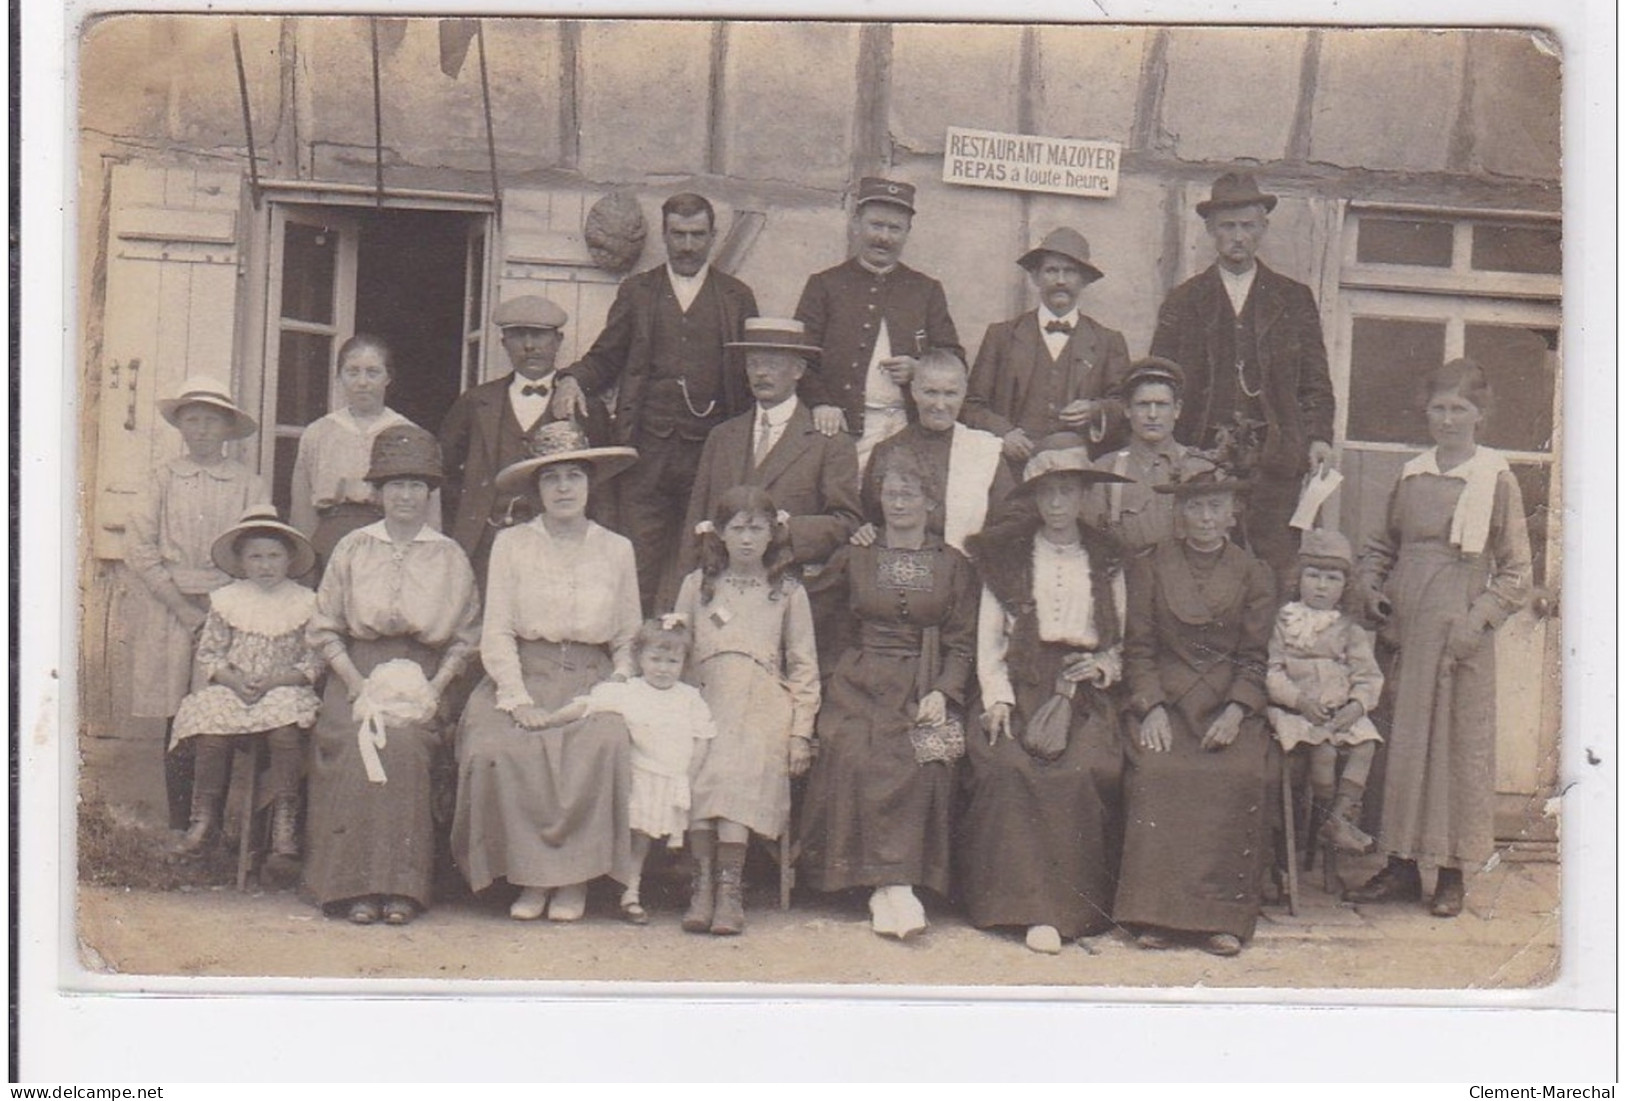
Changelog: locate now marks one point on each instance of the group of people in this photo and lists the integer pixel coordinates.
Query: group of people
(1017, 624)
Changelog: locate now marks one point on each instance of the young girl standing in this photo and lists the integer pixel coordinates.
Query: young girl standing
(669, 722)
(191, 499)
(261, 675)
(757, 666)
(1323, 683)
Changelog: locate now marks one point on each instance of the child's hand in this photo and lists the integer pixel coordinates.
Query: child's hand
(1315, 711)
(248, 691)
(801, 756)
(1346, 716)
(191, 618)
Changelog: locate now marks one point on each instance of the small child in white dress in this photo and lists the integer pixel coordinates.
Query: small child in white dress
(1323, 683)
(667, 718)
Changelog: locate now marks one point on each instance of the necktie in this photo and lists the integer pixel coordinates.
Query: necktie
(764, 433)
(1058, 327)
(539, 388)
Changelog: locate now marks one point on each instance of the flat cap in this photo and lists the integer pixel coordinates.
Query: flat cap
(530, 311)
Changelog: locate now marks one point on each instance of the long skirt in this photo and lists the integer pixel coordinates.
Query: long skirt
(1196, 830)
(1040, 840)
(1439, 781)
(544, 808)
(366, 838)
(872, 815)
(743, 774)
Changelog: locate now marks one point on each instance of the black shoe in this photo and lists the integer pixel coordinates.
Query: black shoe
(1449, 894)
(1400, 881)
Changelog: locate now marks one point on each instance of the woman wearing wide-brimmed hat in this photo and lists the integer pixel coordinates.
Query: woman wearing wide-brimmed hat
(1040, 829)
(190, 500)
(1195, 835)
(547, 808)
(397, 618)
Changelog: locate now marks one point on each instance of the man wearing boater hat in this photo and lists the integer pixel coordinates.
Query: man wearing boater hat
(662, 351)
(485, 428)
(1052, 369)
(872, 317)
(1250, 342)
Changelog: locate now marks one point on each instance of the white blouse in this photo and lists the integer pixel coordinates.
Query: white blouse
(561, 590)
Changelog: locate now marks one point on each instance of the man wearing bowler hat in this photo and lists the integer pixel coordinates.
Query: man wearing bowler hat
(485, 428)
(872, 317)
(1054, 368)
(662, 352)
(1250, 343)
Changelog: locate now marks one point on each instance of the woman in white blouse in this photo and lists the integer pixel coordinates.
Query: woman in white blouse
(1041, 832)
(396, 594)
(547, 809)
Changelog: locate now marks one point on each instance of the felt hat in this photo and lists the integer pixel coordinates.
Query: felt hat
(405, 451)
(1061, 453)
(1154, 369)
(262, 520)
(775, 334)
(529, 311)
(553, 442)
(202, 390)
(874, 189)
(1235, 189)
(1203, 483)
(1066, 242)
(1327, 548)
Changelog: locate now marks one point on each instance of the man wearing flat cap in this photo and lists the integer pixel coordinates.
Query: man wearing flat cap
(485, 428)
(1053, 368)
(1250, 342)
(662, 352)
(872, 317)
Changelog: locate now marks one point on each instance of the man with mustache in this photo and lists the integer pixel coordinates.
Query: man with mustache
(662, 348)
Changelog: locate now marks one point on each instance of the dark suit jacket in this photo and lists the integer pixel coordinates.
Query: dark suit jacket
(1298, 402)
(469, 448)
(1095, 360)
(811, 476)
(621, 354)
(842, 308)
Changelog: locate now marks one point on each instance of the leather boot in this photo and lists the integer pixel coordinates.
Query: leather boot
(1340, 831)
(1400, 881)
(702, 848)
(729, 918)
(1449, 893)
(203, 831)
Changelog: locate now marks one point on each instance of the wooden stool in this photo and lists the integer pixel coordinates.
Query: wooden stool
(251, 750)
(1289, 823)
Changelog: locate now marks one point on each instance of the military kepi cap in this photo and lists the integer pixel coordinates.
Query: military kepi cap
(1066, 242)
(530, 311)
(874, 189)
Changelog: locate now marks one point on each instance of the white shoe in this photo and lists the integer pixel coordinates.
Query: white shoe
(1045, 939)
(530, 905)
(882, 917)
(909, 911)
(569, 903)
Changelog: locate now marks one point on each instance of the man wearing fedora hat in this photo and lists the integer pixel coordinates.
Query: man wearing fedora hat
(1250, 342)
(1052, 369)
(811, 476)
(662, 352)
(872, 317)
(485, 428)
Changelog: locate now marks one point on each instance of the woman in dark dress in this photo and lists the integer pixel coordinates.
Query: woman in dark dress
(1199, 617)
(877, 804)
(1042, 826)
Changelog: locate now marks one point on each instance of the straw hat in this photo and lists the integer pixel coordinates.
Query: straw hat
(405, 451)
(203, 390)
(262, 520)
(1062, 453)
(774, 334)
(562, 442)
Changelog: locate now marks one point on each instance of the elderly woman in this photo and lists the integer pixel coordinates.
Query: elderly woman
(331, 495)
(1199, 617)
(396, 618)
(1041, 827)
(547, 808)
(890, 730)
(1447, 569)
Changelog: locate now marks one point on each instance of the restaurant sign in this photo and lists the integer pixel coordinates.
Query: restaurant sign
(1025, 162)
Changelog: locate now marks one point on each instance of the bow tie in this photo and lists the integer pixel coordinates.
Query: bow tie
(539, 389)
(1058, 327)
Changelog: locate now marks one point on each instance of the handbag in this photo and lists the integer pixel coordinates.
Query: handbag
(944, 741)
(1045, 734)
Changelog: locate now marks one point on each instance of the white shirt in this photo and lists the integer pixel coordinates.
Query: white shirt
(528, 409)
(777, 417)
(687, 287)
(1238, 287)
(1056, 341)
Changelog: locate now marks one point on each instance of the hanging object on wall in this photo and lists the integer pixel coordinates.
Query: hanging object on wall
(615, 231)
